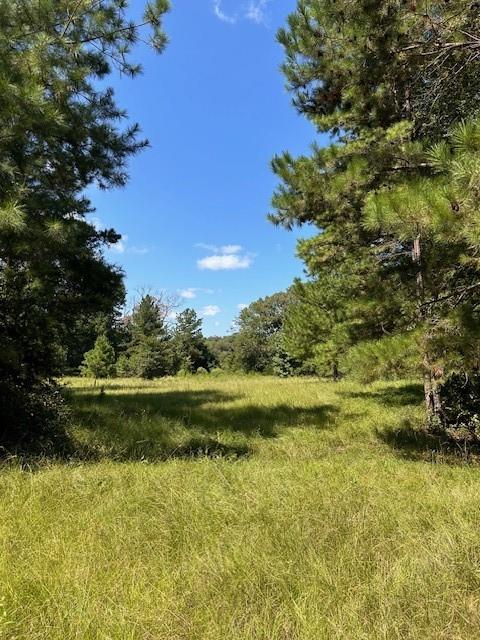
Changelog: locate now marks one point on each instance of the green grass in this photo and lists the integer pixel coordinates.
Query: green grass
(242, 508)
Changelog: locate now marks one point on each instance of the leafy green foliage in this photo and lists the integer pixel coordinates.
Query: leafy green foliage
(315, 329)
(150, 358)
(191, 350)
(284, 365)
(150, 353)
(201, 371)
(391, 358)
(223, 350)
(61, 131)
(460, 418)
(34, 418)
(99, 362)
(81, 337)
(442, 213)
(397, 217)
(353, 65)
(259, 333)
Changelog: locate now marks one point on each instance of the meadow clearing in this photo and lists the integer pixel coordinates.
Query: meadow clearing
(242, 508)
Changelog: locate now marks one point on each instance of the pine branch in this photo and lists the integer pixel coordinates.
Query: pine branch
(71, 19)
(109, 34)
(461, 290)
(446, 46)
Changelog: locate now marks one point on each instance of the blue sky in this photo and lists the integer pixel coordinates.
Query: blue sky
(215, 110)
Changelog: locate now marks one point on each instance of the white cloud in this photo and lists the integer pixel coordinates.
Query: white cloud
(188, 294)
(120, 246)
(208, 247)
(191, 292)
(253, 10)
(224, 262)
(230, 248)
(242, 306)
(172, 315)
(226, 248)
(138, 251)
(221, 15)
(210, 310)
(256, 11)
(97, 223)
(228, 256)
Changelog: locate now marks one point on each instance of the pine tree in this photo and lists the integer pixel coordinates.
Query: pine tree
(358, 65)
(439, 218)
(150, 352)
(61, 131)
(81, 337)
(99, 362)
(380, 79)
(191, 351)
(315, 329)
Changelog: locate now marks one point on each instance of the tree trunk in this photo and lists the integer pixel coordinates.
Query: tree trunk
(417, 259)
(430, 382)
(431, 388)
(335, 372)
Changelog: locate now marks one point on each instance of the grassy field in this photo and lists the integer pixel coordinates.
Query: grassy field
(242, 508)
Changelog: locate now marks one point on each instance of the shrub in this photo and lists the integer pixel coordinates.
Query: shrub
(33, 415)
(151, 358)
(99, 362)
(124, 367)
(460, 419)
(391, 358)
(284, 365)
(216, 371)
(201, 371)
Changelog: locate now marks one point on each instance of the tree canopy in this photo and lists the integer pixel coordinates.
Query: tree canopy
(60, 132)
(394, 195)
(191, 350)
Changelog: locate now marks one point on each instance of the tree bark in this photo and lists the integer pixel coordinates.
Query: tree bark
(433, 402)
(335, 372)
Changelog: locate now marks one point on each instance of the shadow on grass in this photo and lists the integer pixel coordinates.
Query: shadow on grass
(136, 424)
(201, 409)
(149, 451)
(413, 442)
(407, 394)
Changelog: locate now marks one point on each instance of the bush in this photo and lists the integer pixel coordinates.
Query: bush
(151, 358)
(124, 368)
(99, 362)
(216, 371)
(201, 371)
(284, 365)
(33, 417)
(460, 418)
(391, 358)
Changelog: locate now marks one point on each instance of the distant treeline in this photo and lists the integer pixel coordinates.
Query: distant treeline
(148, 343)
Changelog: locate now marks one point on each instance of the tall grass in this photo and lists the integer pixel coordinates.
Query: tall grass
(242, 508)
